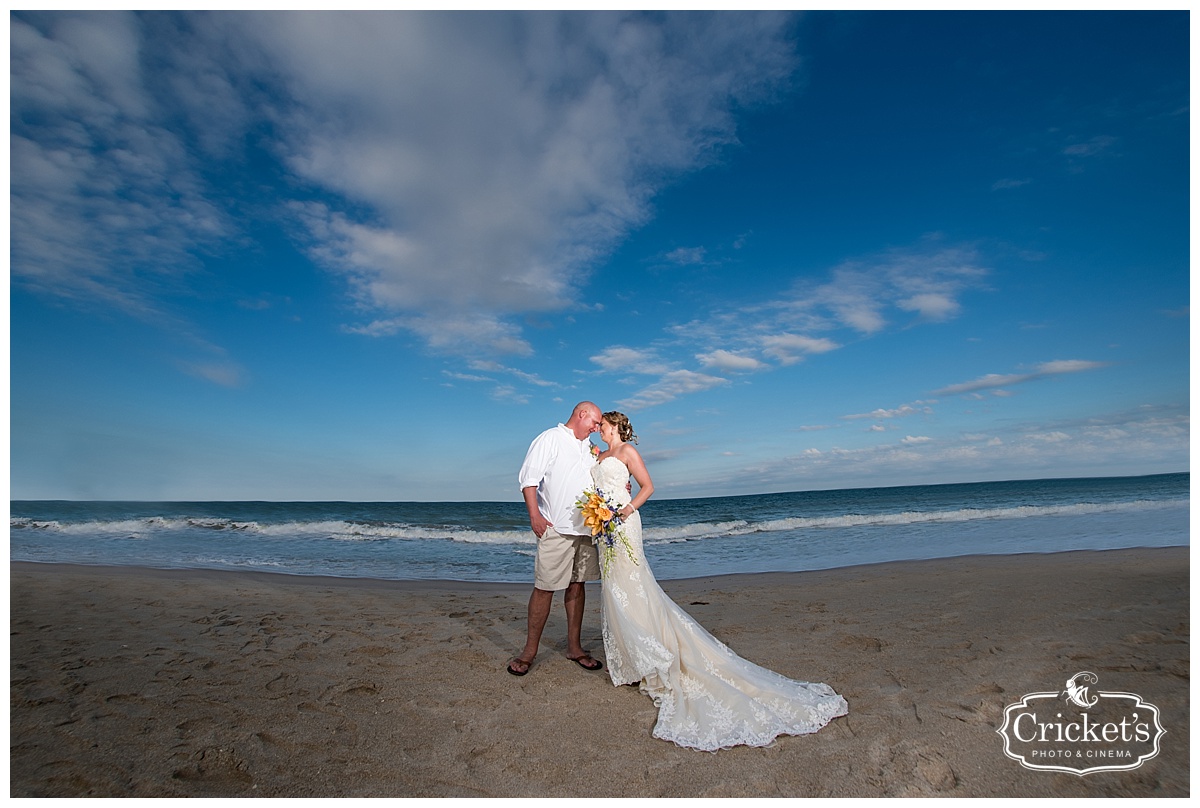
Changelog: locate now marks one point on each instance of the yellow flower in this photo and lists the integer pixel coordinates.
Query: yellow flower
(596, 513)
(601, 518)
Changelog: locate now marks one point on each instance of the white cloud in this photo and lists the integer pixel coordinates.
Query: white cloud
(730, 362)
(1042, 371)
(508, 393)
(685, 256)
(1067, 366)
(1106, 433)
(789, 349)
(466, 333)
(106, 205)
(500, 391)
(1092, 147)
(1008, 184)
(497, 157)
(451, 166)
(1140, 442)
(672, 385)
(926, 279)
(496, 367)
(225, 374)
(673, 382)
(466, 377)
(1049, 437)
(916, 408)
(931, 306)
(619, 359)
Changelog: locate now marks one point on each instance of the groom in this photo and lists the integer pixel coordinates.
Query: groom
(556, 470)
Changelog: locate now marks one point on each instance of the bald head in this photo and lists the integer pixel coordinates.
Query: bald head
(585, 419)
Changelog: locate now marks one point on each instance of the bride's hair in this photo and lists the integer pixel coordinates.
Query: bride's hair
(624, 428)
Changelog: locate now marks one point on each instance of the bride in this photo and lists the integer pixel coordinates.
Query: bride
(707, 696)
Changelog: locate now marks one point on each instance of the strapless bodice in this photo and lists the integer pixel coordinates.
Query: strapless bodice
(611, 476)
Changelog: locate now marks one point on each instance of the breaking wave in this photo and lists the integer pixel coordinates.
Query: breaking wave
(366, 531)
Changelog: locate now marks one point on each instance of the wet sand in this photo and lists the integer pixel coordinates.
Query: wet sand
(136, 682)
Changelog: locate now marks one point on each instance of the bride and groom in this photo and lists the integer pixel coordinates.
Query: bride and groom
(707, 696)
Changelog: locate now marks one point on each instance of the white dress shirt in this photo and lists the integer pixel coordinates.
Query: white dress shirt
(560, 466)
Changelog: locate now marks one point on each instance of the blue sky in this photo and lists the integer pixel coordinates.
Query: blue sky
(304, 256)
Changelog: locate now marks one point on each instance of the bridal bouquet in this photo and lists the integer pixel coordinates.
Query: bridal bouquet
(602, 517)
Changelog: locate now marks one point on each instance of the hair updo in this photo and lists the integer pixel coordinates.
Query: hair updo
(624, 428)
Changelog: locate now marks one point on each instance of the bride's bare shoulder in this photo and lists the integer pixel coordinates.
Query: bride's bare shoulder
(628, 454)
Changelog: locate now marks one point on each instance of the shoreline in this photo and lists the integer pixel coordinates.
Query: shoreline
(135, 681)
(469, 586)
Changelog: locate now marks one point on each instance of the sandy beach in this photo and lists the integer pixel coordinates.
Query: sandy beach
(137, 682)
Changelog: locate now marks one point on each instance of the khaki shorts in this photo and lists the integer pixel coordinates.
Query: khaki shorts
(562, 560)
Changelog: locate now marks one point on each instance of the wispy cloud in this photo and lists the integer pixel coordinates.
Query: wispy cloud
(1158, 437)
(686, 256)
(225, 374)
(528, 378)
(1099, 144)
(1008, 184)
(862, 296)
(905, 410)
(1081, 153)
(933, 306)
(1045, 370)
(619, 359)
(107, 205)
(466, 377)
(673, 380)
(672, 385)
(927, 282)
(508, 393)
(500, 391)
(457, 170)
(504, 154)
(858, 298)
(788, 349)
(730, 362)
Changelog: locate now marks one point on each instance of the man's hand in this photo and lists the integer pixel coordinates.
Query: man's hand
(538, 522)
(539, 525)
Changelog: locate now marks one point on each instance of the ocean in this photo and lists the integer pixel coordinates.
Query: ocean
(685, 538)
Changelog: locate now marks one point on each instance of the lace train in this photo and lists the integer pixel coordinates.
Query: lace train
(707, 696)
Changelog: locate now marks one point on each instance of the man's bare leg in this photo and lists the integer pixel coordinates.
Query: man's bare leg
(540, 601)
(573, 600)
(574, 603)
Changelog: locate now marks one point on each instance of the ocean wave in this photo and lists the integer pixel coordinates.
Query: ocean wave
(356, 531)
(128, 526)
(338, 530)
(701, 530)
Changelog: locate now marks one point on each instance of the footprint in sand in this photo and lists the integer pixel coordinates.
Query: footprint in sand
(861, 643)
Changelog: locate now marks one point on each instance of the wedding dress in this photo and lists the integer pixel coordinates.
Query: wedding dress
(707, 696)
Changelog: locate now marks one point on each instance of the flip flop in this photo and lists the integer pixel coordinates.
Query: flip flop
(599, 666)
(527, 665)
